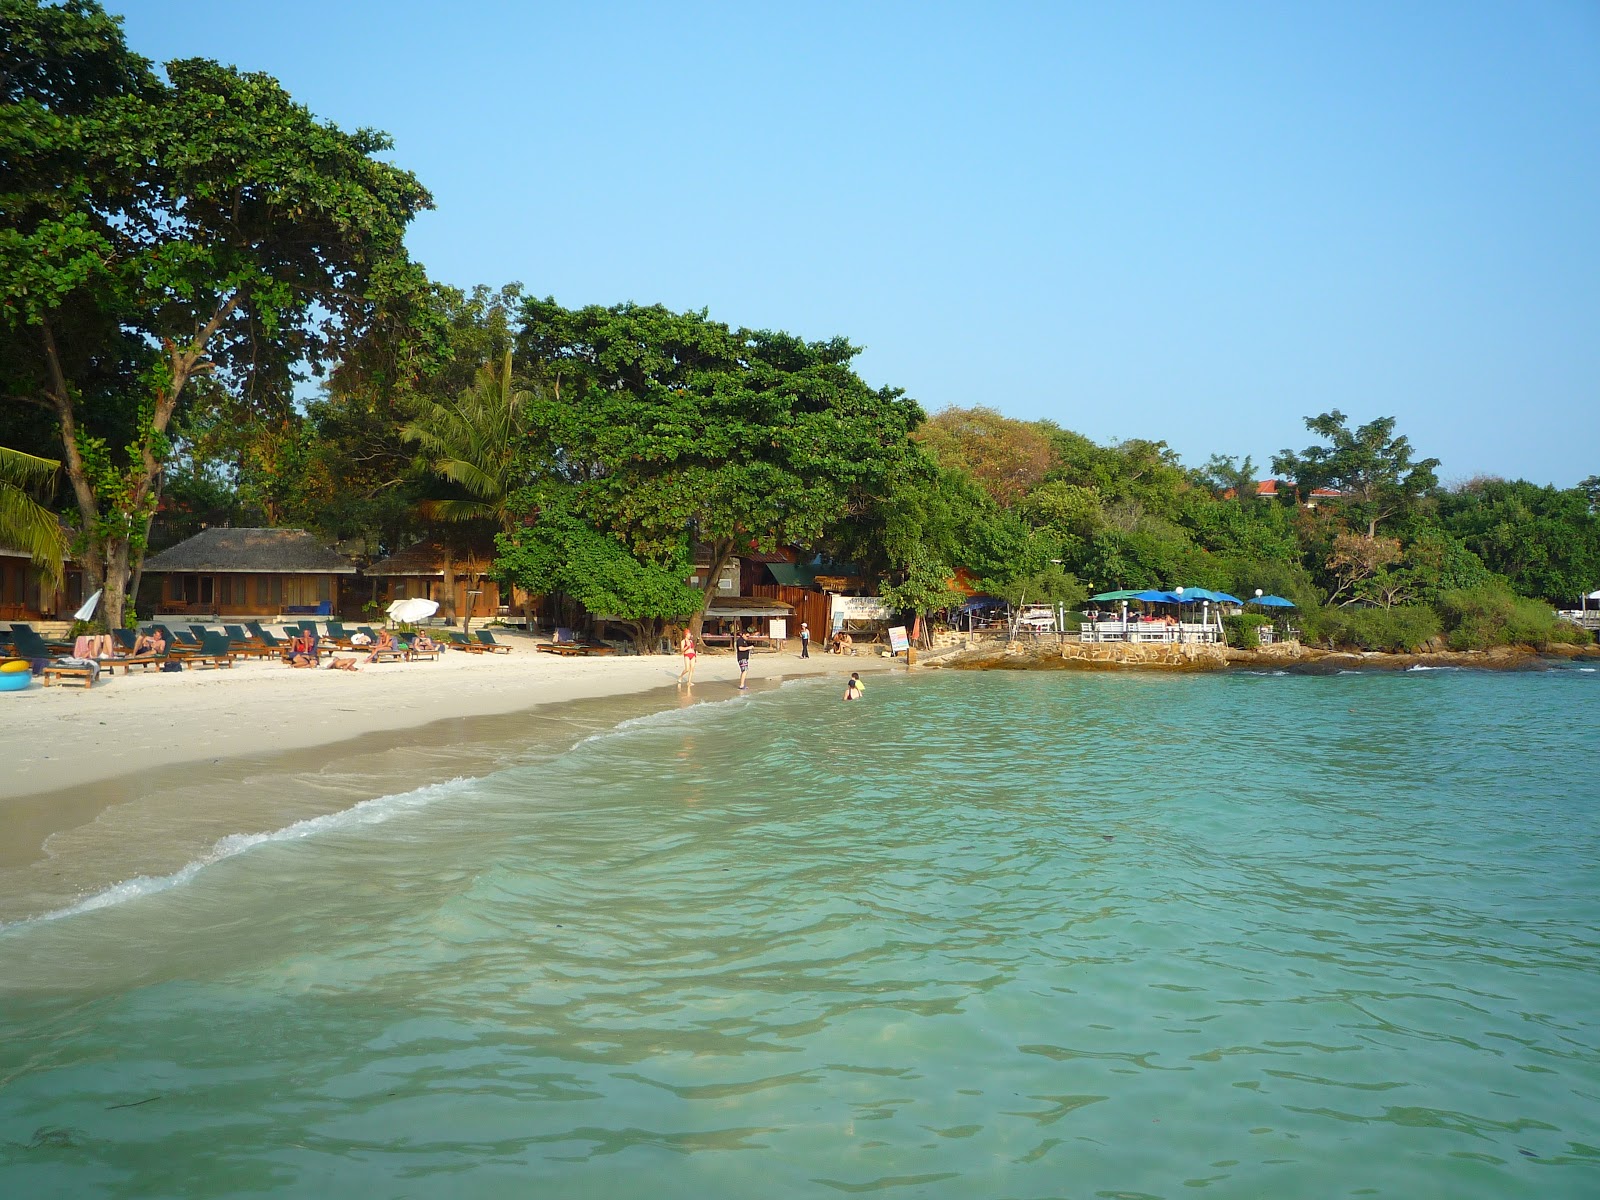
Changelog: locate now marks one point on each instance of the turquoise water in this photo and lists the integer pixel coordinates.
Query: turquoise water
(982, 935)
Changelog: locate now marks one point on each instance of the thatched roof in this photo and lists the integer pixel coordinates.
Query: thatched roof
(427, 558)
(252, 551)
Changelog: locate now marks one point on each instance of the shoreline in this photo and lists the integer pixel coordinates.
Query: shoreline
(1292, 658)
(137, 778)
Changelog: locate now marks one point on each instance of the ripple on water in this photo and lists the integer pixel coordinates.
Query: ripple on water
(978, 936)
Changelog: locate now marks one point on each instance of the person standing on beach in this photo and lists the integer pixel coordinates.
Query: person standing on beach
(688, 651)
(741, 651)
(805, 640)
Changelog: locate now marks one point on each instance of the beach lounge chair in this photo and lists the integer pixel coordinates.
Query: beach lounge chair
(311, 628)
(199, 631)
(486, 638)
(127, 639)
(181, 641)
(22, 632)
(461, 641)
(214, 652)
(267, 639)
(58, 668)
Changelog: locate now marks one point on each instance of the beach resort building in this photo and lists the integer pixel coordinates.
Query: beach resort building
(23, 594)
(227, 572)
(434, 569)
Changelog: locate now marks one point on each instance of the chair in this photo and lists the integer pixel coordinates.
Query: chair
(267, 639)
(488, 639)
(461, 642)
(199, 631)
(214, 650)
(179, 641)
(21, 631)
(311, 628)
(336, 631)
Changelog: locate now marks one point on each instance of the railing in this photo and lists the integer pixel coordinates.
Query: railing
(1143, 632)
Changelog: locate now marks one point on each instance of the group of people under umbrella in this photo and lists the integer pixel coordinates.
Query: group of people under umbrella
(1181, 596)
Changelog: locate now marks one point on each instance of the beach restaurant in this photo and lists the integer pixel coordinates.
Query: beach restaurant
(1175, 625)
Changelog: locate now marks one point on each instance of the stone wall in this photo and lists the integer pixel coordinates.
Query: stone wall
(1178, 656)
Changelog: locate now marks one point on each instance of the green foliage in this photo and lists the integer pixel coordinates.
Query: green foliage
(1373, 468)
(666, 422)
(1243, 629)
(1404, 629)
(25, 524)
(924, 586)
(556, 551)
(1491, 614)
(1544, 540)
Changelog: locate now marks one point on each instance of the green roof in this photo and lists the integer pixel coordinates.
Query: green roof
(792, 574)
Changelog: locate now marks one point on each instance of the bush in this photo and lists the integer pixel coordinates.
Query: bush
(1493, 615)
(1243, 629)
(80, 628)
(1405, 629)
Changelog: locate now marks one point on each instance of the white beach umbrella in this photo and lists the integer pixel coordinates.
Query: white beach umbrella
(86, 613)
(413, 609)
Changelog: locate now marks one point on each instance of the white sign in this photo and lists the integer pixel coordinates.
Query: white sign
(898, 642)
(857, 608)
(778, 629)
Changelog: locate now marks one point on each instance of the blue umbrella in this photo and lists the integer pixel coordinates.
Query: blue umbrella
(1273, 602)
(1225, 598)
(1152, 596)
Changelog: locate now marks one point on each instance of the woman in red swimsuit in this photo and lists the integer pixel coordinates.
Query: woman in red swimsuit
(687, 646)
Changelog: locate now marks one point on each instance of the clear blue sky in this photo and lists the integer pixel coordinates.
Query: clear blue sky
(1196, 222)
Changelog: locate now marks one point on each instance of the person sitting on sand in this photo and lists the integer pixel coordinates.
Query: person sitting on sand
(385, 642)
(303, 651)
(853, 687)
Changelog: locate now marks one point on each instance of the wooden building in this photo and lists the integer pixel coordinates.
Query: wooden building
(23, 595)
(438, 570)
(225, 572)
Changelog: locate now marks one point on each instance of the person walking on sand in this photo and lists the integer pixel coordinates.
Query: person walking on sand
(688, 650)
(741, 651)
(853, 687)
(805, 640)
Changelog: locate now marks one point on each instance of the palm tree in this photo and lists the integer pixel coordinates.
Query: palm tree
(473, 442)
(25, 524)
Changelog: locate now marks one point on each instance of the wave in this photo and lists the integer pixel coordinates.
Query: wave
(1421, 667)
(368, 812)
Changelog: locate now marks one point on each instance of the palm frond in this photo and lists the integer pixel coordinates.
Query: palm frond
(25, 524)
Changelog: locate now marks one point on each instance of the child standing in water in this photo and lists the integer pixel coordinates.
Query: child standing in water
(852, 687)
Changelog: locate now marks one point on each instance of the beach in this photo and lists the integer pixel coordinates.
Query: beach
(142, 772)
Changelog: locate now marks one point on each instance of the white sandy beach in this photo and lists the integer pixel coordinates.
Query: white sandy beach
(59, 737)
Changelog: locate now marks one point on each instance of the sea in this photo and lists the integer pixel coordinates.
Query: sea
(980, 934)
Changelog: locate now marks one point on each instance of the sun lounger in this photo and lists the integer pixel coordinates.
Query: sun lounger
(60, 671)
(214, 652)
(460, 641)
(267, 639)
(487, 639)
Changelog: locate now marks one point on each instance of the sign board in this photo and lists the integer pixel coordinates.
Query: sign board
(777, 629)
(898, 642)
(857, 608)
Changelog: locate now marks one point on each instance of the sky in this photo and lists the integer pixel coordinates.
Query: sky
(1197, 223)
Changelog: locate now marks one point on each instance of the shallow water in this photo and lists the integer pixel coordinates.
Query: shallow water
(978, 936)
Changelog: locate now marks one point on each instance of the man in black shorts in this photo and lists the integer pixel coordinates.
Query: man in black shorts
(741, 651)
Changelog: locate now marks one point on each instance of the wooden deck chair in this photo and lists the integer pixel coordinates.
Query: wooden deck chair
(488, 639)
(461, 642)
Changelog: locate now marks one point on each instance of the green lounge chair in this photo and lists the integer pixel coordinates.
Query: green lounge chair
(214, 651)
(267, 639)
(462, 642)
(486, 638)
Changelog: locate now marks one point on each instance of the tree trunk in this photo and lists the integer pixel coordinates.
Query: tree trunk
(108, 548)
(721, 552)
(448, 603)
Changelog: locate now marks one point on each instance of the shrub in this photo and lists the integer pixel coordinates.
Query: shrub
(1404, 629)
(1243, 629)
(1493, 615)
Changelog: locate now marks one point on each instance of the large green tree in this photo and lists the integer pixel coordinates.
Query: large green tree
(1372, 467)
(206, 214)
(670, 425)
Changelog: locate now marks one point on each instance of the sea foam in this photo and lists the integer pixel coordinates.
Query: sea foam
(368, 812)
